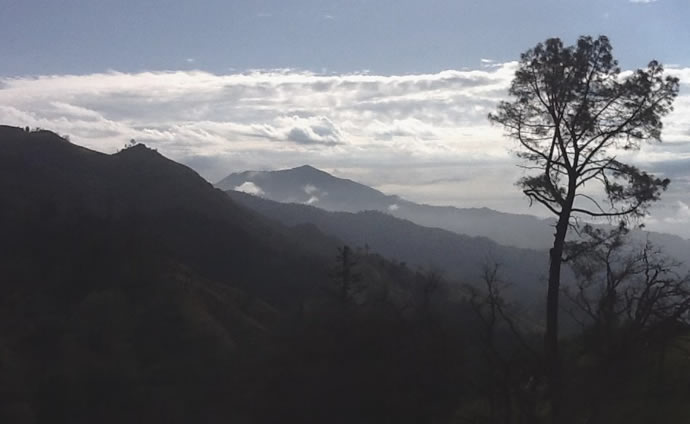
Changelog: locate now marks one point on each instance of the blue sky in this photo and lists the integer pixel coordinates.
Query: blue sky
(382, 36)
(394, 94)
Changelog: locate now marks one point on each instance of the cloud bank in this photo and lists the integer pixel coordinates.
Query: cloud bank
(423, 136)
(202, 113)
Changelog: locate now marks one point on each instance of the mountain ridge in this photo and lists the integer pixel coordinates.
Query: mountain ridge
(339, 194)
(134, 291)
(459, 257)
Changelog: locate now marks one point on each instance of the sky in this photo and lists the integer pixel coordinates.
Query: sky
(393, 94)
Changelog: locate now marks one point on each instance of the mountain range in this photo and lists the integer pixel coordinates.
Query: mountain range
(132, 290)
(308, 185)
(460, 258)
(312, 186)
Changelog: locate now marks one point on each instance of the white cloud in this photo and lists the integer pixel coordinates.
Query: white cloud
(311, 130)
(394, 207)
(643, 1)
(396, 132)
(67, 110)
(251, 188)
(314, 194)
(681, 214)
(193, 113)
(310, 189)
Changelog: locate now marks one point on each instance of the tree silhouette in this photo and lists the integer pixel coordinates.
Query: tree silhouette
(630, 300)
(625, 288)
(571, 111)
(505, 350)
(347, 280)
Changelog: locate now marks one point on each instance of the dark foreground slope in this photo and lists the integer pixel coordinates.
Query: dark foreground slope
(130, 285)
(48, 184)
(133, 291)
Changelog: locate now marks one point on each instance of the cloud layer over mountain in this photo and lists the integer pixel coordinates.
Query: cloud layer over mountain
(423, 136)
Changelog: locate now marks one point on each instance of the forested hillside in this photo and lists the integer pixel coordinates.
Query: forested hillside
(460, 258)
(134, 291)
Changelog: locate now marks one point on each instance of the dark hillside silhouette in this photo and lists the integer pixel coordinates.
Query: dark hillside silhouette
(45, 177)
(133, 291)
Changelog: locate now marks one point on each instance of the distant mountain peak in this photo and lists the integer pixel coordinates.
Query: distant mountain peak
(307, 185)
(306, 168)
(250, 175)
(304, 174)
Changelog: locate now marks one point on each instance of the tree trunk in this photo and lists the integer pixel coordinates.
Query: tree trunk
(553, 361)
